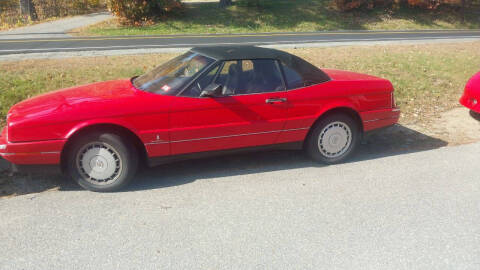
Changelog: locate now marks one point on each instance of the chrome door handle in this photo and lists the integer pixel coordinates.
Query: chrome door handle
(275, 100)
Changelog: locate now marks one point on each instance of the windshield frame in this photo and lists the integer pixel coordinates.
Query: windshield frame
(187, 84)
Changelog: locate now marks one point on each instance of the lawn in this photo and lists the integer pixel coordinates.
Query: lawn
(428, 79)
(287, 15)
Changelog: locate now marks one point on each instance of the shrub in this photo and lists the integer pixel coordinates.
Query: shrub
(141, 11)
(425, 4)
(345, 5)
(6, 5)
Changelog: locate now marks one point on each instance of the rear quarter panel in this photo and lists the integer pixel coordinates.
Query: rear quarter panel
(307, 104)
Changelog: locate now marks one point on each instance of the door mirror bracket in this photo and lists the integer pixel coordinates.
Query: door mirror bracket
(212, 90)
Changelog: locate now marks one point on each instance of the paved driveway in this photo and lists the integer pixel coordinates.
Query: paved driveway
(267, 211)
(55, 29)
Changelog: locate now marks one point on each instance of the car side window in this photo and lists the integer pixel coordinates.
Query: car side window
(293, 79)
(196, 88)
(230, 77)
(242, 77)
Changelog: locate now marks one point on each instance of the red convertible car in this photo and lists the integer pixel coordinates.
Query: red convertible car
(471, 96)
(208, 100)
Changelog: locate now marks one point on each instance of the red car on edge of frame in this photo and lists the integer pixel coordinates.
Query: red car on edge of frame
(471, 96)
(209, 100)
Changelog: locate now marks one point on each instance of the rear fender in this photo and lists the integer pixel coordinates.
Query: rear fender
(336, 105)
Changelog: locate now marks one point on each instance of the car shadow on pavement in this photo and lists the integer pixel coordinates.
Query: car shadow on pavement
(22, 184)
(396, 140)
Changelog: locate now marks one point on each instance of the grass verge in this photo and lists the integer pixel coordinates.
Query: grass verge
(286, 15)
(428, 78)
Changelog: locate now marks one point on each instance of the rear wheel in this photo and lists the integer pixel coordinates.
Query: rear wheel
(333, 139)
(102, 162)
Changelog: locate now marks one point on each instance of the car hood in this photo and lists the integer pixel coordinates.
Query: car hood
(61, 101)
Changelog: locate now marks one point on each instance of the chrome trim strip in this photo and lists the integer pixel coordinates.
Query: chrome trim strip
(378, 119)
(154, 143)
(229, 136)
(373, 120)
(41, 153)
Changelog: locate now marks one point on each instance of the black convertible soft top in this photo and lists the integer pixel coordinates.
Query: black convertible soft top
(308, 71)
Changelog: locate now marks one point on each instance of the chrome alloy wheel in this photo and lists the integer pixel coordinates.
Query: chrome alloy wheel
(335, 139)
(99, 163)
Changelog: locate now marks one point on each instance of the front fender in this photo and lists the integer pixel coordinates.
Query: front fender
(107, 121)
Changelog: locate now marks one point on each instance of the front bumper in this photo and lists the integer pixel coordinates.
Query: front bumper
(31, 153)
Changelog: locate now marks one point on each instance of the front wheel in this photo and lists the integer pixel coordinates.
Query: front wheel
(333, 139)
(102, 162)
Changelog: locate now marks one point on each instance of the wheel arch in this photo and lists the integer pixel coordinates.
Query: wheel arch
(107, 127)
(347, 110)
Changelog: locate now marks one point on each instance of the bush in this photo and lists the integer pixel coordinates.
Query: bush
(425, 4)
(346, 5)
(6, 5)
(139, 12)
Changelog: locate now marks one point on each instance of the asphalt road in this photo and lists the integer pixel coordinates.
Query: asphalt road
(264, 211)
(23, 46)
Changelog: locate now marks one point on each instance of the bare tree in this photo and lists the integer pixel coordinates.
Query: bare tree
(27, 8)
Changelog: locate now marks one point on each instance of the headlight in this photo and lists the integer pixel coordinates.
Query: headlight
(3, 146)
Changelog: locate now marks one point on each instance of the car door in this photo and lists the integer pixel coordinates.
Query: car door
(305, 98)
(250, 112)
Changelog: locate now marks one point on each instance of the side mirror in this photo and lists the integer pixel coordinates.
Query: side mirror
(212, 90)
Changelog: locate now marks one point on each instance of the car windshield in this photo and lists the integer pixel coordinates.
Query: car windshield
(173, 75)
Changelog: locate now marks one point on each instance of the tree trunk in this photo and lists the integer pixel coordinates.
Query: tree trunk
(27, 8)
(225, 3)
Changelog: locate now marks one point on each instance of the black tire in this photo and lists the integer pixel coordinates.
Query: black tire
(102, 150)
(475, 115)
(317, 150)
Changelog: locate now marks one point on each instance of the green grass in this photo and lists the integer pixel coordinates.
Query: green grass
(428, 79)
(286, 15)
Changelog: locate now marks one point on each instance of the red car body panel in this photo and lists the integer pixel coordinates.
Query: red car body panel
(38, 129)
(225, 122)
(471, 95)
